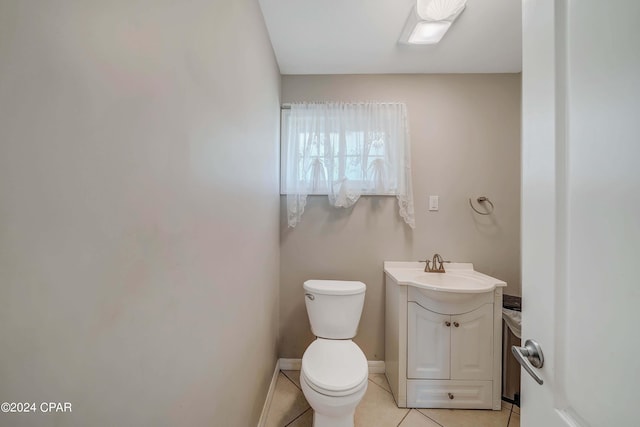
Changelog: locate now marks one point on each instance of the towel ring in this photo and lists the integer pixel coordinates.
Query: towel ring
(482, 199)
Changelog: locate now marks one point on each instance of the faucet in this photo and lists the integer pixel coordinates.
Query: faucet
(436, 266)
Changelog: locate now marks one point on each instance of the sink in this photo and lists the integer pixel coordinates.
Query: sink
(459, 278)
(452, 282)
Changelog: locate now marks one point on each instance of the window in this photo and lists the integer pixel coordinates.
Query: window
(332, 157)
(345, 151)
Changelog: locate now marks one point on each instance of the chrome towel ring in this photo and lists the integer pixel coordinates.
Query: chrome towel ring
(482, 200)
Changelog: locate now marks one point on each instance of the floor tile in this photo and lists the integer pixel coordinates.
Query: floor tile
(288, 402)
(468, 417)
(304, 420)
(515, 420)
(293, 376)
(290, 409)
(416, 419)
(378, 408)
(381, 380)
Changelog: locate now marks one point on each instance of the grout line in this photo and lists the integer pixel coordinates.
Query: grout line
(428, 417)
(296, 386)
(287, 376)
(394, 400)
(509, 419)
(405, 416)
(293, 420)
(371, 381)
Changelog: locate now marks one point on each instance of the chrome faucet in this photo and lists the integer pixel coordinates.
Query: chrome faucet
(436, 265)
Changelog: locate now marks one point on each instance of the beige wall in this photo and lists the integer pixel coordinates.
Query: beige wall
(139, 211)
(465, 133)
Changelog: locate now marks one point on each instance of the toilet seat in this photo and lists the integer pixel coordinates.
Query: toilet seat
(333, 393)
(334, 367)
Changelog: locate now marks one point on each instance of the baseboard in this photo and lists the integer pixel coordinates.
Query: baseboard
(375, 366)
(267, 402)
(290, 364)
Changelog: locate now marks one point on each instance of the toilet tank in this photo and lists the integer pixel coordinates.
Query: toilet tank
(334, 307)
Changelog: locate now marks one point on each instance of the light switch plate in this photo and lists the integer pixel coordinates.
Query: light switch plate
(433, 203)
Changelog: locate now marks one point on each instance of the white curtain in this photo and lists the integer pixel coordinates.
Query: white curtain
(344, 151)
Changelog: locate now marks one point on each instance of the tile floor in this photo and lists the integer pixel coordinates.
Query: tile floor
(378, 409)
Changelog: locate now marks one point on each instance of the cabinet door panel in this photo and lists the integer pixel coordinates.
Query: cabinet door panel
(472, 344)
(428, 337)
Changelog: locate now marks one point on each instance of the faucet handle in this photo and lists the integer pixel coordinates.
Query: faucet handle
(437, 264)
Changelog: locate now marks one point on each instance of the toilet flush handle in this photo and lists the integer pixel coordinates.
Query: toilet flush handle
(310, 296)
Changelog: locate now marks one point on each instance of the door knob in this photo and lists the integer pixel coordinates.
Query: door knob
(530, 356)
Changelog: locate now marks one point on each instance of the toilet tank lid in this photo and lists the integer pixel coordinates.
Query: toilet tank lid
(334, 287)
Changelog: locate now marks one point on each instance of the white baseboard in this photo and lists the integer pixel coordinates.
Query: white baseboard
(267, 402)
(290, 364)
(375, 367)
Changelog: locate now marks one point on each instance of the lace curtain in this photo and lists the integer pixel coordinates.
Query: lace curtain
(344, 151)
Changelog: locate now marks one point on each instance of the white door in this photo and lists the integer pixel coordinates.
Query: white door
(581, 211)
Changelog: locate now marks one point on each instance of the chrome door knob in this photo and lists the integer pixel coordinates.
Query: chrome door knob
(530, 356)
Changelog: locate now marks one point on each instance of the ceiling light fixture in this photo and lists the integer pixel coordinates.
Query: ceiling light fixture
(429, 20)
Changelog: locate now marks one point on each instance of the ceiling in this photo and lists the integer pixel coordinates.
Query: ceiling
(361, 37)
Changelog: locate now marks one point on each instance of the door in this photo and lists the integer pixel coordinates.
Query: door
(581, 211)
(428, 338)
(472, 344)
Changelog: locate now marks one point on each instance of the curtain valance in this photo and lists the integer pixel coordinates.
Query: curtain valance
(344, 151)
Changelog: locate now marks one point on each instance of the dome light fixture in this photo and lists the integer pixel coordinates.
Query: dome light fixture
(429, 20)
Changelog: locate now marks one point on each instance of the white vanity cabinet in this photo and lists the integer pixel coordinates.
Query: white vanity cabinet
(442, 348)
(449, 347)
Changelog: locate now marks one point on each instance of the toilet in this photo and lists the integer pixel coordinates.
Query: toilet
(334, 372)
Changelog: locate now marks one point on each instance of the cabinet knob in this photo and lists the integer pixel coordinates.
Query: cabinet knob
(447, 323)
(456, 324)
(450, 396)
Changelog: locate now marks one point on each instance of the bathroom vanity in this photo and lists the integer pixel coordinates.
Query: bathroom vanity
(443, 335)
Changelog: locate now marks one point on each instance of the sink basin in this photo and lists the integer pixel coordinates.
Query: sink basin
(458, 278)
(451, 282)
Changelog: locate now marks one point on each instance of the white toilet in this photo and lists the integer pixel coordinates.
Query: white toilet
(334, 370)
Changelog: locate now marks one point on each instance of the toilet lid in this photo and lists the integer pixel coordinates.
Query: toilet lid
(334, 365)
(334, 287)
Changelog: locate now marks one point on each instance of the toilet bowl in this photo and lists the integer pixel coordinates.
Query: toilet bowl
(334, 374)
(334, 378)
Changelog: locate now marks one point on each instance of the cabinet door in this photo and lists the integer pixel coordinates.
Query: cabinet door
(428, 338)
(472, 344)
